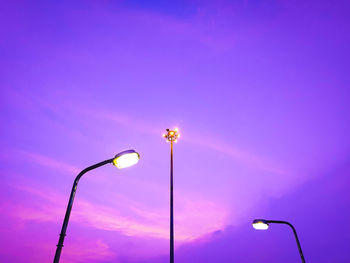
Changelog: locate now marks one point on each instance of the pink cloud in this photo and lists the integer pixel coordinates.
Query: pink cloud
(120, 119)
(137, 219)
(49, 162)
(214, 143)
(85, 250)
(247, 158)
(21, 248)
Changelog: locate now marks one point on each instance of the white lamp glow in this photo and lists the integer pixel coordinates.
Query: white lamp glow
(260, 224)
(126, 159)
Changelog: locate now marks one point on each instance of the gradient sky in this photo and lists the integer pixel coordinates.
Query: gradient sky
(259, 90)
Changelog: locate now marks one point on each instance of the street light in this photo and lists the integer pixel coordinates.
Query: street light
(171, 137)
(121, 160)
(126, 159)
(262, 224)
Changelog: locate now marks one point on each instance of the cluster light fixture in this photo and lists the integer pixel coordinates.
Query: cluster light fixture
(171, 135)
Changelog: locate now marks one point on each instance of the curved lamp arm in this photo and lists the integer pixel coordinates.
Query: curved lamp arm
(295, 235)
(70, 205)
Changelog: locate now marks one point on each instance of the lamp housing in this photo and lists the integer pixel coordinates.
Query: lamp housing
(126, 159)
(260, 224)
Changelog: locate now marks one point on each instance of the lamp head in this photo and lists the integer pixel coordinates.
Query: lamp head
(126, 159)
(171, 135)
(260, 224)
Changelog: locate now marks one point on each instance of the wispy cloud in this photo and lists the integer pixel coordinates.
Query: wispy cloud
(49, 162)
(141, 220)
(245, 157)
(149, 222)
(80, 249)
(89, 250)
(214, 143)
(121, 119)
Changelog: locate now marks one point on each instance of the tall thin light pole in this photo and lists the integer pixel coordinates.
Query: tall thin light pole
(171, 137)
(171, 206)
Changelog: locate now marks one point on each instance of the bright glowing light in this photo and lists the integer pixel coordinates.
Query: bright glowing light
(171, 135)
(260, 224)
(178, 136)
(126, 159)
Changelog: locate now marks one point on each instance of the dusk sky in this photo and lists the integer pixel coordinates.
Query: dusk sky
(258, 89)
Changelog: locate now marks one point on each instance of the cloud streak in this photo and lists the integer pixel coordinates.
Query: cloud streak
(49, 162)
(148, 222)
(214, 143)
(247, 158)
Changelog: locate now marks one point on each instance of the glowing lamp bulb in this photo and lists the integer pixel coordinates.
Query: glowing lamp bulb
(260, 224)
(126, 159)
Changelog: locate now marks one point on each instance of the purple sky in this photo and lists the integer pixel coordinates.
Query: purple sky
(259, 90)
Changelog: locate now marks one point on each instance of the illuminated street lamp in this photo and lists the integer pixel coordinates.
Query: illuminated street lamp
(262, 224)
(121, 160)
(171, 137)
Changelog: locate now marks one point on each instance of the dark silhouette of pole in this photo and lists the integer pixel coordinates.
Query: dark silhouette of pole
(295, 235)
(70, 205)
(171, 137)
(171, 207)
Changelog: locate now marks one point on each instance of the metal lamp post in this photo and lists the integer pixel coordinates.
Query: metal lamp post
(262, 224)
(121, 160)
(171, 137)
